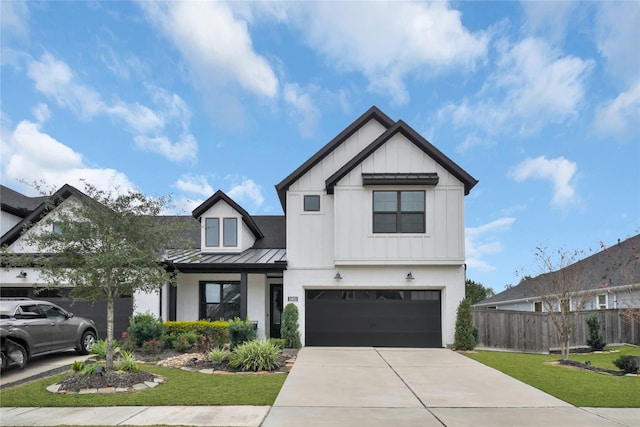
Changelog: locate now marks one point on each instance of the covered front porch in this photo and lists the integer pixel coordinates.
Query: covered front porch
(248, 285)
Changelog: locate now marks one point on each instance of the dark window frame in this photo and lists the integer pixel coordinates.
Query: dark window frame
(399, 213)
(228, 313)
(311, 197)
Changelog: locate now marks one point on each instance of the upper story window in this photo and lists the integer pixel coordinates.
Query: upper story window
(602, 302)
(230, 232)
(212, 232)
(537, 306)
(312, 203)
(398, 212)
(57, 228)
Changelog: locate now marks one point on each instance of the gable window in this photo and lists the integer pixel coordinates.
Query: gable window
(219, 300)
(57, 228)
(212, 232)
(602, 302)
(230, 231)
(398, 212)
(312, 203)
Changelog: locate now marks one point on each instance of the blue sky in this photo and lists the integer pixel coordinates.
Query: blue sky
(539, 101)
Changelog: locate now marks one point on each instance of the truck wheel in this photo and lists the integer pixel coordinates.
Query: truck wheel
(87, 341)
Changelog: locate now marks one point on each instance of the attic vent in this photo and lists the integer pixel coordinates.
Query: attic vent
(400, 178)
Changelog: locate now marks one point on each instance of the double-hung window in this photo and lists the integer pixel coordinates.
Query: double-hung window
(398, 212)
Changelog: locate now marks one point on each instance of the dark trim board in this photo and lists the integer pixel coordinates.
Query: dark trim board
(334, 321)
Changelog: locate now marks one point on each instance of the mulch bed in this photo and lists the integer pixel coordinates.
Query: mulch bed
(169, 358)
(590, 367)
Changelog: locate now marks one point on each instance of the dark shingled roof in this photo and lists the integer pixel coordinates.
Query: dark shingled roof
(618, 265)
(18, 204)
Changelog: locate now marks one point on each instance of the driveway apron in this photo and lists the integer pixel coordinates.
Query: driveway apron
(412, 387)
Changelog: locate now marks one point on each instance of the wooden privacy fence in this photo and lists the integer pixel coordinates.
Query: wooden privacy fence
(535, 332)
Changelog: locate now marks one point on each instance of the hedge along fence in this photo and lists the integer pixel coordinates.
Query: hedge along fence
(534, 332)
(217, 331)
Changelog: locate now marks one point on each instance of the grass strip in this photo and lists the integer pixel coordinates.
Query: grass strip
(575, 386)
(181, 388)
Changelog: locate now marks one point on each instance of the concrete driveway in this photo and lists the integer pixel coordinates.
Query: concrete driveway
(417, 387)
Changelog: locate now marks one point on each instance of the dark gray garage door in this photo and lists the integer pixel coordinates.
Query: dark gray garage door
(382, 318)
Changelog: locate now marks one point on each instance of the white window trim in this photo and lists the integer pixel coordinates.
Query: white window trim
(319, 211)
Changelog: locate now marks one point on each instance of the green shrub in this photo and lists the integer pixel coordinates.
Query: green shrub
(240, 331)
(595, 340)
(255, 356)
(463, 338)
(629, 364)
(290, 328)
(91, 368)
(77, 366)
(127, 362)
(278, 342)
(152, 347)
(214, 333)
(99, 348)
(185, 341)
(219, 355)
(145, 327)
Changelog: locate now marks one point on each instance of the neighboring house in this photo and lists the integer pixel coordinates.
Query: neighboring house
(25, 282)
(614, 282)
(370, 249)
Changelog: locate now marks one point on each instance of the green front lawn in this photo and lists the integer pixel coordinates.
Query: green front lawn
(181, 388)
(575, 386)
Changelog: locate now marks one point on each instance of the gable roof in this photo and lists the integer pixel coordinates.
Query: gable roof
(372, 114)
(39, 211)
(618, 265)
(219, 195)
(414, 137)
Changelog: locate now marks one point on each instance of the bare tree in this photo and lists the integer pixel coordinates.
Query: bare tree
(564, 288)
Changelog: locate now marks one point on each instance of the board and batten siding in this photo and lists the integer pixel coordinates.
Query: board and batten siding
(443, 241)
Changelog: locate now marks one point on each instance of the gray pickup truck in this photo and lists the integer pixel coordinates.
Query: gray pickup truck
(31, 328)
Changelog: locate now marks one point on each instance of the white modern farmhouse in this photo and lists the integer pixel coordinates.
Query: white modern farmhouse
(370, 249)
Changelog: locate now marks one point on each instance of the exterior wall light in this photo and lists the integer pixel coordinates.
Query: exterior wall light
(410, 276)
(22, 275)
(337, 276)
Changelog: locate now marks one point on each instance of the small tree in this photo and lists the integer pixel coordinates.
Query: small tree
(595, 340)
(103, 245)
(564, 289)
(290, 328)
(464, 338)
(476, 292)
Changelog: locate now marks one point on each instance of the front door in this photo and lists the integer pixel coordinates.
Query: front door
(275, 307)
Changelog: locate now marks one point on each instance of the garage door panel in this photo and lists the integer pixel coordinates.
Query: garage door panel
(333, 321)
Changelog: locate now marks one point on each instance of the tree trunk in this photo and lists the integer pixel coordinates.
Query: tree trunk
(110, 309)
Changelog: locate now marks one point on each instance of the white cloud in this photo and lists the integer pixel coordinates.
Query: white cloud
(29, 155)
(480, 242)
(192, 184)
(56, 80)
(14, 17)
(617, 35)
(549, 18)
(247, 194)
(621, 116)
(559, 171)
(388, 41)
(42, 113)
(533, 85)
(303, 108)
(215, 43)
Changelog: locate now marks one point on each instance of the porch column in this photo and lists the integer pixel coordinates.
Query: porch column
(243, 295)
